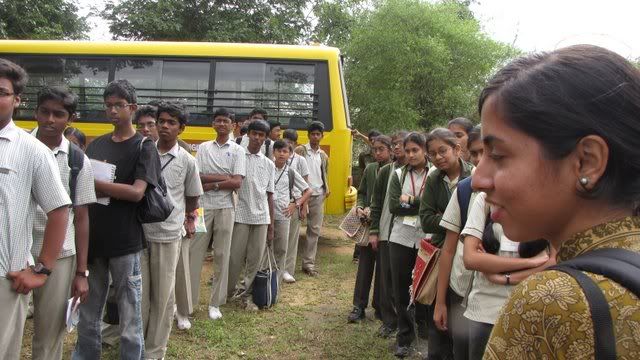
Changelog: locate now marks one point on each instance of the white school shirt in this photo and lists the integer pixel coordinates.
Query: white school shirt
(403, 233)
(314, 160)
(486, 298)
(253, 204)
(85, 194)
(299, 164)
(28, 176)
(221, 159)
(182, 177)
(281, 196)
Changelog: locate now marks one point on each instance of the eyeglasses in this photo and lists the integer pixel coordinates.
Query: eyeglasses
(4, 93)
(117, 107)
(443, 151)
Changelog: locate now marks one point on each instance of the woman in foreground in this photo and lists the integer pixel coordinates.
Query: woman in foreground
(562, 162)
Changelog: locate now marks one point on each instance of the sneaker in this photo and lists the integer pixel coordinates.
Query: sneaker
(251, 306)
(386, 332)
(183, 322)
(286, 277)
(356, 315)
(311, 272)
(214, 313)
(402, 351)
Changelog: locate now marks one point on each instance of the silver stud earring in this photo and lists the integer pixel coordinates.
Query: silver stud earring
(584, 180)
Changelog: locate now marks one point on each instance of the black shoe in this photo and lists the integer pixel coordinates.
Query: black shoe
(311, 272)
(423, 330)
(356, 315)
(402, 351)
(386, 332)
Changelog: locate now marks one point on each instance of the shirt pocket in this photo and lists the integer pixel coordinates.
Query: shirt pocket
(173, 175)
(8, 182)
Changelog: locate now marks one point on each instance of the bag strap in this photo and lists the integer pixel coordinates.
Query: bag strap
(167, 164)
(618, 265)
(239, 140)
(267, 146)
(76, 163)
(291, 183)
(464, 198)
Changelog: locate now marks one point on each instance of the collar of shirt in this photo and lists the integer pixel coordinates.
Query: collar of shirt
(309, 148)
(225, 144)
(10, 132)
(63, 147)
(606, 235)
(173, 152)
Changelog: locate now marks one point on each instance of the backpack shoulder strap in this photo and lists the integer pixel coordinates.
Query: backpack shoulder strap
(464, 198)
(291, 183)
(239, 140)
(76, 163)
(618, 265)
(267, 147)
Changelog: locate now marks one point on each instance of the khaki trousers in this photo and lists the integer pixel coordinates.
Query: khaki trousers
(280, 245)
(13, 314)
(219, 224)
(158, 268)
(247, 249)
(49, 309)
(314, 225)
(292, 244)
(184, 301)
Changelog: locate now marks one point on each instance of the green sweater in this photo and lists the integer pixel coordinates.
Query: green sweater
(395, 191)
(366, 189)
(379, 196)
(435, 200)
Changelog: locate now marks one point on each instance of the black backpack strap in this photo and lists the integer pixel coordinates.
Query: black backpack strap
(76, 163)
(291, 183)
(464, 198)
(267, 146)
(618, 265)
(239, 140)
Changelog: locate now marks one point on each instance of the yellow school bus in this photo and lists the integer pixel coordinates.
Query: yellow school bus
(294, 84)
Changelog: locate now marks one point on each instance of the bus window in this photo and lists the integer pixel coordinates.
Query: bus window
(188, 82)
(144, 74)
(286, 91)
(87, 78)
(42, 71)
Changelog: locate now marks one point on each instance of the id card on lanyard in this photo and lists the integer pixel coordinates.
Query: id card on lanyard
(413, 220)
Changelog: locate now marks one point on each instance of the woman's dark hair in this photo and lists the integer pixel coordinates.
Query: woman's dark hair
(59, 94)
(82, 139)
(174, 109)
(290, 134)
(373, 134)
(121, 88)
(530, 249)
(400, 135)
(244, 130)
(490, 242)
(466, 124)
(562, 96)
(145, 110)
(280, 144)
(385, 140)
(474, 135)
(15, 74)
(442, 134)
(259, 125)
(415, 138)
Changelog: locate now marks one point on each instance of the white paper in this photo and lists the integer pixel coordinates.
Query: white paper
(103, 171)
(508, 245)
(410, 220)
(72, 315)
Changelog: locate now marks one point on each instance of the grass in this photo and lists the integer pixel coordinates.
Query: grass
(309, 321)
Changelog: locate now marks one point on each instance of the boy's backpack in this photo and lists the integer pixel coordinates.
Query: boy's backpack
(291, 181)
(618, 265)
(76, 162)
(464, 197)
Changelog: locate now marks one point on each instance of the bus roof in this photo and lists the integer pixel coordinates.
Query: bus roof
(166, 48)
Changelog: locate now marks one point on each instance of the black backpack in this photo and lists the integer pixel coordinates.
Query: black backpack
(619, 265)
(76, 162)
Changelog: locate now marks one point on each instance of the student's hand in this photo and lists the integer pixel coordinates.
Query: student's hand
(367, 212)
(404, 198)
(373, 240)
(26, 280)
(360, 212)
(270, 235)
(190, 226)
(304, 211)
(79, 289)
(440, 316)
(290, 209)
(540, 260)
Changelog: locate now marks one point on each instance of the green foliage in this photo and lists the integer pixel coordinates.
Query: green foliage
(413, 64)
(252, 21)
(335, 20)
(41, 19)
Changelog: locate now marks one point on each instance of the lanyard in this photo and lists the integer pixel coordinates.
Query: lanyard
(279, 177)
(413, 185)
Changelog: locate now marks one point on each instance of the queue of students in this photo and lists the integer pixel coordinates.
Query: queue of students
(85, 234)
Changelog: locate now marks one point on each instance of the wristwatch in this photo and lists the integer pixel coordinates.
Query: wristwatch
(40, 269)
(84, 274)
(216, 187)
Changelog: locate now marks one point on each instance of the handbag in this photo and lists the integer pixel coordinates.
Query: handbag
(425, 273)
(155, 206)
(356, 228)
(265, 284)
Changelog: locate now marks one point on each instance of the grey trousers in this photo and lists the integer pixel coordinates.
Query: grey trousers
(184, 301)
(280, 245)
(159, 261)
(314, 225)
(247, 250)
(49, 305)
(13, 314)
(292, 244)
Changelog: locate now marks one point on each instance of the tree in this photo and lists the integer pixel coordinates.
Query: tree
(41, 19)
(413, 64)
(253, 21)
(335, 20)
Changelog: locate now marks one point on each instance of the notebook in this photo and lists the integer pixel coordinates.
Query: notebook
(103, 171)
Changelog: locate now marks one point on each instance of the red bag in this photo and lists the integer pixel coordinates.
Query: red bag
(425, 273)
